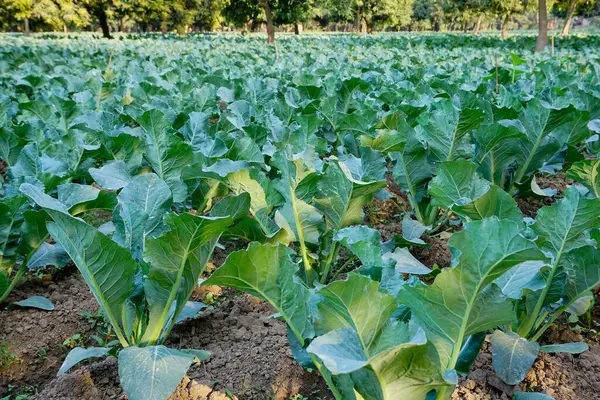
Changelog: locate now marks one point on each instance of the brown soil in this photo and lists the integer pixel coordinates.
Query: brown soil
(35, 337)
(561, 375)
(251, 358)
(529, 206)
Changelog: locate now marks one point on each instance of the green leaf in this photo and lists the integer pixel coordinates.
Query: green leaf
(190, 310)
(199, 355)
(142, 205)
(152, 373)
(358, 338)
(236, 207)
(561, 227)
(446, 130)
(524, 276)
(36, 302)
(459, 188)
(79, 354)
(10, 146)
(49, 254)
(267, 271)
(340, 197)
(469, 352)
(392, 132)
(107, 268)
(113, 176)
(456, 304)
(177, 259)
(572, 348)
(587, 172)
(11, 219)
(498, 147)
(582, 267)
(300, 219)
(3, 283)
(363, 242)
(547, 129)
(531, 396)
(405, 262)
(166, 153)
(512, 356)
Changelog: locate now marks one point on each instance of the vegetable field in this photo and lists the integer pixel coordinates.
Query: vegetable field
(334, 217)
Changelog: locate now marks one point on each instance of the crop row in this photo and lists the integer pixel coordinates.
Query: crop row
(208, 141)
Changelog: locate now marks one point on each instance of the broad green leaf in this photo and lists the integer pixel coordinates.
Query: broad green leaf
(36, 302)
(512, 356)
(113, 176)
(340, 197)
(383, 357)
(405, 262)
(79, 354)
(524, 276)
(363, 242)
(49, 254)
(10, 147)
(11, 219)
(142, 205)
(190, 310)
(177, 259)
(531, 396)
(166, 153)
(561, 227)
(587, 173)
(469, 352)
(456, 304)
(392, 131)
(459, 188)
(446, 130)
(152, 373)
(547, 129)
(73, 193)
(107, 268)
(355, 303)
(582, 267)
(267, 271)
(572, 348)
(498, 147)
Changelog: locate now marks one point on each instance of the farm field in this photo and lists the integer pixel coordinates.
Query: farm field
(391, 216)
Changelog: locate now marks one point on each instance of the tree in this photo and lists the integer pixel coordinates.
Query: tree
(567, 9)
(23, 11)
(294, 12)
(99, 8)
(542, 39)
(505, 9)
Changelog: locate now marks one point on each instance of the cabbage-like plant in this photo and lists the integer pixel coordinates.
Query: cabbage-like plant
(142, 278)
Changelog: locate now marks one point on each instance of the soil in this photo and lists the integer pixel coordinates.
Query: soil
(35, 337)
(561, 376)
(529, 206)
(251, 358)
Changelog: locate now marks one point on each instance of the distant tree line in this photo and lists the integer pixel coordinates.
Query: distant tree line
(366, 16)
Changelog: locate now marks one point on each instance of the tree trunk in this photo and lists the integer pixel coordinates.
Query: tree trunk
(298, 28)
(270, 26)
(100, 13)
(436, 25)
(478, 25)
(164, 27)
(569, 18)
(542, 39)
(26, 26)
(505, 26)
(358, 20)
